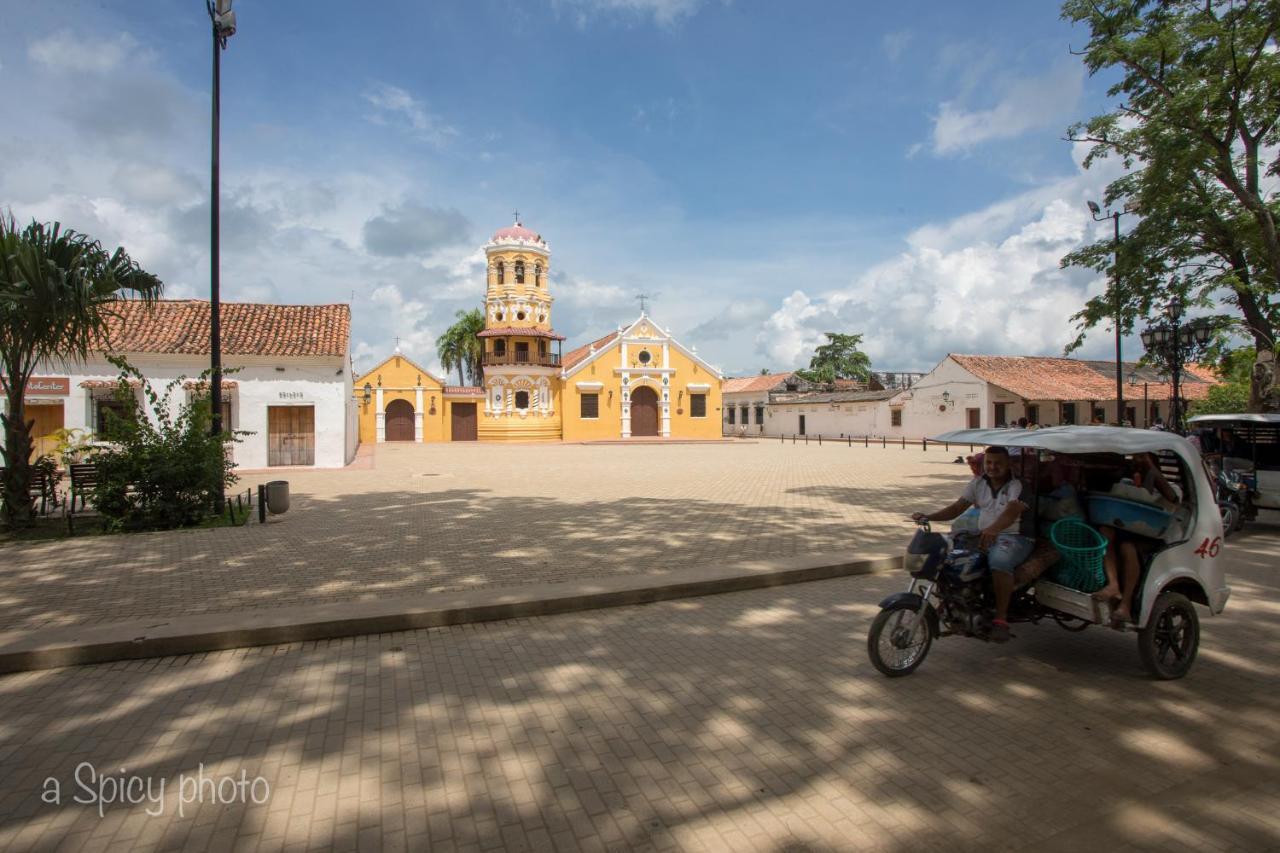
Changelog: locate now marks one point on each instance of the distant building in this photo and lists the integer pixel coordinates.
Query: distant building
(289, 385)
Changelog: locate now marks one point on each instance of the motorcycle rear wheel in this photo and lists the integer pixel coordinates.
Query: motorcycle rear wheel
(895, 648)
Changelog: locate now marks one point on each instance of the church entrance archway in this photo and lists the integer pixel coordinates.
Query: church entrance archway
(400, 421)
(644, 412)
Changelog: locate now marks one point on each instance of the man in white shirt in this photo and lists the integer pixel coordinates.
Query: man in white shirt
(998, 498)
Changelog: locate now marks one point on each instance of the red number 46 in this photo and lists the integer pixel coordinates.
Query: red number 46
(1209, 548)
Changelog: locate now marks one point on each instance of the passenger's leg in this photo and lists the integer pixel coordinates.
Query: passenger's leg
(1130, 569)
(1110, 563)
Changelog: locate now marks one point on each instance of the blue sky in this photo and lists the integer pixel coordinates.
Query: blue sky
(770, 170)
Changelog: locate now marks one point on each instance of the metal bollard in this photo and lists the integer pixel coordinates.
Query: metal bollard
(262, 504)
(819, 439)
(924, 444)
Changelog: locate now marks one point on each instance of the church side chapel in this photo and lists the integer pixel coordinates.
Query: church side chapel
(637, 382)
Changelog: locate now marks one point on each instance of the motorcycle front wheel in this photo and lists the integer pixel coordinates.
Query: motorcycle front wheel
(1231, 517)
(899, 639)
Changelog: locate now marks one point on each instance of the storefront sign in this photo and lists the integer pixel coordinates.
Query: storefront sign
(291, 395)
(43, 386)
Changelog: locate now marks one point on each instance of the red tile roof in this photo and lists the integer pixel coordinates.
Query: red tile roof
(516, 330)
(763, 382)
(181, 327)
(1047, 378)
(574, 356)
(195, 384)
(463, 391)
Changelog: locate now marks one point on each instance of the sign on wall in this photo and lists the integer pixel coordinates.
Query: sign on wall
(43, 386)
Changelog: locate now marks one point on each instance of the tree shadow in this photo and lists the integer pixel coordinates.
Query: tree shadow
(749, 720)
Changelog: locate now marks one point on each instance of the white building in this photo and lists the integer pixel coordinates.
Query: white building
(288, 383)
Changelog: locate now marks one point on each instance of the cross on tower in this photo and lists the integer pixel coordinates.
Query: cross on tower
(644, 298)
(516, 214)
(397, 345)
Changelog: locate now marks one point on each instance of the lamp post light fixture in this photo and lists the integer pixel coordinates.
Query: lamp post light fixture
(1170, 339)
(1117, 303)
(224, 26)
(368, 393)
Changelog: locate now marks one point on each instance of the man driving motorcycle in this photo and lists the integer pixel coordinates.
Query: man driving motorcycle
(997, 495)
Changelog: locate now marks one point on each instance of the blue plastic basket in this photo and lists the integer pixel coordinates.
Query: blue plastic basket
(1082, 549)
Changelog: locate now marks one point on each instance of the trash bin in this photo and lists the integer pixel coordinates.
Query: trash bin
(278, 497)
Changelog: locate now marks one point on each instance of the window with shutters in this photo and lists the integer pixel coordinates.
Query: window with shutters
(730, 410)
(590, 406)
(697, 405)
(895, 417)
(522, 399)
(759, 415)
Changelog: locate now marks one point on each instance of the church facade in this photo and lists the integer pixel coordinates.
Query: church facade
(637, 382)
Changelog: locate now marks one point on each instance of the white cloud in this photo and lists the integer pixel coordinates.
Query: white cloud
(663, 12)
(1028, 104)
(395, 105)
(65, 51)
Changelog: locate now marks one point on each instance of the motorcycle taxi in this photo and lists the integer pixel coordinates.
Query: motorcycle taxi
(1073, 483)
(1248, 468)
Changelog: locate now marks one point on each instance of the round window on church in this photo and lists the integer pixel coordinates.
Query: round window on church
(499, 317)
(520, 316)
(645, 358)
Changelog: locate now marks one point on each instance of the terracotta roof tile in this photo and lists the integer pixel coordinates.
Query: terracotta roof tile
(763, 382)
(181, 327)
(574, 356)
(1067, 379)
(528, 332)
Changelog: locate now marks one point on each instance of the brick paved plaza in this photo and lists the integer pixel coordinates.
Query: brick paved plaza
(434, 518)
(747, 721)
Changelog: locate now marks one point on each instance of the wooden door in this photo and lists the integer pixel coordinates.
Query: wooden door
(48, 420)
(399, 421)
(644, 412)
(974, 418)
(463, 416)
(291, 435)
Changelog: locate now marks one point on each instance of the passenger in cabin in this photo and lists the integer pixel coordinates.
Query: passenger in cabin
(1123, 560)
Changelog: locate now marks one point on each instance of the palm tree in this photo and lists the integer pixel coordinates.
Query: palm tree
(460, 346)
(57, 289)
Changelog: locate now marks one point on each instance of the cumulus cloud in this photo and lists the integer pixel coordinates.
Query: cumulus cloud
(414, 229)
(1026, 105)
(409, 319)
(986, 282)
(66, 51)
(730, 320)
(396, 106)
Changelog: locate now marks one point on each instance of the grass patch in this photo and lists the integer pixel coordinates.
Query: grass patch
(55, 527)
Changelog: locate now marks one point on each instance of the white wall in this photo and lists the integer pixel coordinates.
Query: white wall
(736, 400)
(324, 383)
(833, 420)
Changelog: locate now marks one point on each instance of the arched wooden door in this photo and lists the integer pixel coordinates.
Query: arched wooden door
(644, 412)
(400, 421)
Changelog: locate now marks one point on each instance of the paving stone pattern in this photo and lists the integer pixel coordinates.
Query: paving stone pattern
(741, 722)
(445, 517)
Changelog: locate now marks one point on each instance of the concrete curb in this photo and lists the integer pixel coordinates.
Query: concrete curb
(49, 648)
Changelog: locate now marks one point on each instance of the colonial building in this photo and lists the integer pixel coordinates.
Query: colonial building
(635, 382)
(288, 386)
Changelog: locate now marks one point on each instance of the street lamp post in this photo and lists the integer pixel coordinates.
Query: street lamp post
(1114, 216)
(224, 26)
(1170, 339)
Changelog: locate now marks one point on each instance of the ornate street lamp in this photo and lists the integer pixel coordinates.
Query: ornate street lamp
(1169, 340)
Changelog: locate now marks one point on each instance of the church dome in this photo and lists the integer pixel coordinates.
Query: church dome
(517, 233)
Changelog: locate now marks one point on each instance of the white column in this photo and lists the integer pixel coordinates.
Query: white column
(417, 415)
(666, 410)
(666, 355)
(380, 418)
(626, 407)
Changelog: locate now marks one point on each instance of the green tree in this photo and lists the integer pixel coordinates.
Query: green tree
(1232, 395)
(1198, 94)
(57, 289)
(460, 347)
(838, 358)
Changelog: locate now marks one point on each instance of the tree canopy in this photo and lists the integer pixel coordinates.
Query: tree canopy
(57, 288)
(838, 358)
(1195, 127)
(460, 348)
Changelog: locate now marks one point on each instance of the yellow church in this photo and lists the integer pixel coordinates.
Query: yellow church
(637, 382)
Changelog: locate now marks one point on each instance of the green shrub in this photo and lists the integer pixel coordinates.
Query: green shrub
(162, 471)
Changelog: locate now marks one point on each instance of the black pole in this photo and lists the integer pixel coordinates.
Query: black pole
(1176, 414)
(1115, 219)
(215, 312)
(1146, 406)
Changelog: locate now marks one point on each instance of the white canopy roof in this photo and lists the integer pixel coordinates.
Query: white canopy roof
(1247, 417)
(1077, 439)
